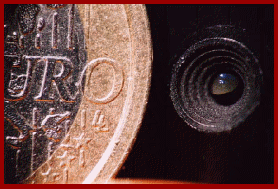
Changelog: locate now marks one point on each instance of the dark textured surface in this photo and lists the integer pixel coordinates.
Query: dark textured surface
(41, 98)
(166, 147)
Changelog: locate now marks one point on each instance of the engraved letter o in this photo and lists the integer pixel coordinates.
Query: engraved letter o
(117, 82)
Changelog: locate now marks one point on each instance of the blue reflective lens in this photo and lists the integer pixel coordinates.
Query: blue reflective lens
(224, 83)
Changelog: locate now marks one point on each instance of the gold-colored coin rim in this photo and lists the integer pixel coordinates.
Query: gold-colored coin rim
(137, 81)
(138, 92)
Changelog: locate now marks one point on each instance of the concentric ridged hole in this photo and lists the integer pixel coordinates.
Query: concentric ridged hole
(215, 84)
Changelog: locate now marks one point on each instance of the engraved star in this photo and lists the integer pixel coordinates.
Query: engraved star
(81, 140)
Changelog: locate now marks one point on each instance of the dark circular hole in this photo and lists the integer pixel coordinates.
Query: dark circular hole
(226, 88)
(215, 84)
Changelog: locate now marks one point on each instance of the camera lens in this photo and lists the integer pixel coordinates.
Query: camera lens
(226, 88)
(215, 85)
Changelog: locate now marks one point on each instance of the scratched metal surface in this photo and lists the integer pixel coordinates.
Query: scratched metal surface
(76, 84)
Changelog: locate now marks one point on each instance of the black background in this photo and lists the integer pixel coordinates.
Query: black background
(167, 148)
